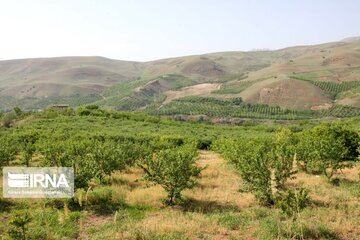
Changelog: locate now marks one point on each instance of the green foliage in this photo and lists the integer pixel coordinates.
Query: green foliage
(8, 150)
(270, 228)
(253, 161)
(18, 111)
(233, 221)
(283, 156)
(92, 107)
(149, 94)
(19, 226)
(339, 111)
(173, 169)
(8, 119)
(91, 159)
(292, 202)
(263, 164)
(234, 107)
(102, 200)
(227, 108)
(27, 142)
(332, 88)
(325, 148)
(351, 140)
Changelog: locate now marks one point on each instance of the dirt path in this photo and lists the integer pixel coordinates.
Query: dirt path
(220, 183)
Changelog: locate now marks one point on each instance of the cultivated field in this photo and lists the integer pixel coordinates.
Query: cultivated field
(143, 177)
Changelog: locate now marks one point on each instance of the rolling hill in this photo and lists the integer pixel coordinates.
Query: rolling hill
(312, 81)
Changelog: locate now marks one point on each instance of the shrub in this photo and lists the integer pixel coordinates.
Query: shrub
(283, 157)
(102, 200)
(91, 159)
(92, 107)
(292, 202)
(8, 119)
(204, 144)
(253, 161)
(19, 226)
(18, 111)
(263, 164)
(173, 169)
(8, 150)
(27, 141)
(325, 149)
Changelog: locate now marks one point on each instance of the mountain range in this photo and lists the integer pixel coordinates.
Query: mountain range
(301, 79)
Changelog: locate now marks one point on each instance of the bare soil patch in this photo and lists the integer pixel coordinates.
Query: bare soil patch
(195, 90)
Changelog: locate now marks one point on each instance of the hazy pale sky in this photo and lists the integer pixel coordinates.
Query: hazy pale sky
(152, 29)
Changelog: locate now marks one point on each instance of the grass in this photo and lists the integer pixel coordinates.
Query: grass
(127, 208)
(215, 209)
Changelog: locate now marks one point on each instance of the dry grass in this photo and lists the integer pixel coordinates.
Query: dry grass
(197, 218)
(219, 184)
(195, 90)
(217, 197)
(217, 194)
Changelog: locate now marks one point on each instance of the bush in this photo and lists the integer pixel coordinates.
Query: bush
(18, 111)
(204, 144)
(91, 159)
(8, 150)
(92, 107)
(283, 157)
(292, 202)
(263, 164)
(253, 161)
(27, 141)
(325, 148)
(173, 169)
(100, 199)
(8, 119)
(19, 226)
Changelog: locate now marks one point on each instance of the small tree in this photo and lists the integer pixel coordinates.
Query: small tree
(173, 169)
(54, 151)
(59, 151)
(324, 149)
(252, 158)
(8, 119)
(107, 156)
(8, 150)
(263, 164)
(283, 157)
(27, 143)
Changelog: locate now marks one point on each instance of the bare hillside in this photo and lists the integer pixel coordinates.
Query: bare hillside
(303, 77)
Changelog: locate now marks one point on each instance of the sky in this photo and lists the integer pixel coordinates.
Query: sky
(144, 30)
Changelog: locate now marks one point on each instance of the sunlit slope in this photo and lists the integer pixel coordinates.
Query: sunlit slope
(305, 77)
(64, 76)
(326, 74)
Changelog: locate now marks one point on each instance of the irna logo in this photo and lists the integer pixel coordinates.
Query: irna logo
(33, 182)
(37, 180)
